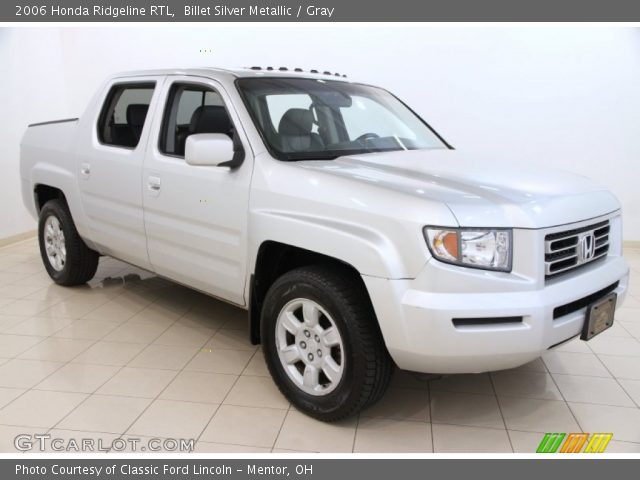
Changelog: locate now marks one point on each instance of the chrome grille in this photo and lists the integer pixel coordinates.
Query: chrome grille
(570, 249)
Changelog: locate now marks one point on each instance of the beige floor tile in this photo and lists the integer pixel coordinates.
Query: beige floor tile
(622, 447)
(219, 361)
(109, 353)
(56, 349)
(164, 357)
(301, 432)
(536, 365)
(8, 436)
(87, 329)
(104, 413)
(9, 321)
(205, 447)
(465, 409)
(576, 345)
(231, 340)
(118, 310)
(622, 366)
(257, 366)
(173, 419)
(401, 404)
(605, 391)
(138, 382)
(632, 387)
(156, 315)
(182, 336)
(572, 363)
(202, 319)
(631, 302)
(40, 409)
(256, 392)
(525, 442)
(7, 395)
(199, 387)
(39, 326)
(603, 345)
(535, 415)
(633, 329)
(13, 345)
(135, 333)
(26, 373)
(16, 292)
(73, 307)
(27, 307)
(627, 315)
(73, 442)
(472, 383)
(617, 330)
(251, 426)
(78, 377)
(377, 435)
(525, 384)
(623, 422)
(458, 439)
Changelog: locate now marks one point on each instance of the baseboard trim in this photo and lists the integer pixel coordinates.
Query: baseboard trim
(631, 244)
(17, 238)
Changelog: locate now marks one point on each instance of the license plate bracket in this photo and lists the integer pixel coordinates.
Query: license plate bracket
(599, 316)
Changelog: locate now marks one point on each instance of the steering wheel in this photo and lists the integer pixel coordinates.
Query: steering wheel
(367, 136)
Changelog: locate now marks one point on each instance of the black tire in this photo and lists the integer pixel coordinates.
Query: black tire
(81, 262)
(368, 366)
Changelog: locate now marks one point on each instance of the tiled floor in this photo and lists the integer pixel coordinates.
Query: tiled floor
(131, 355)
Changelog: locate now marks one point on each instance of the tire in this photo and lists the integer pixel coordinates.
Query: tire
(337, 298)
(71, 262)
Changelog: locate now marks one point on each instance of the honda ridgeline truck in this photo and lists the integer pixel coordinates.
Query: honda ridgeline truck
(356, 238)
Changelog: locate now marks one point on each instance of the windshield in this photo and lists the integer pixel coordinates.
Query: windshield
(305, 119)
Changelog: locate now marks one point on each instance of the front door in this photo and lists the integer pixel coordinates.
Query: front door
(196, 216)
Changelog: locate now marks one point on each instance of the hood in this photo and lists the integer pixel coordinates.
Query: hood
(479, 191)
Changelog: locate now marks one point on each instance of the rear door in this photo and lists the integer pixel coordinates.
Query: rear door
(196, 216)
(110, 165)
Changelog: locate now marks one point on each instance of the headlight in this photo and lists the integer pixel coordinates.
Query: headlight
(489, 249)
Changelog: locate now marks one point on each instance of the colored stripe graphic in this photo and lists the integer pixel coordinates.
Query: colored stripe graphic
(550, 442)
(574, 443)
(598, 442)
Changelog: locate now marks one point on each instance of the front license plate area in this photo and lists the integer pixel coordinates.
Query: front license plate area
(599, 316)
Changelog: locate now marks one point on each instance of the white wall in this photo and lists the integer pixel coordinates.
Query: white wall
(564, 97)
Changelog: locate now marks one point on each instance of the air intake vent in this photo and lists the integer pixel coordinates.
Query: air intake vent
(568, 250)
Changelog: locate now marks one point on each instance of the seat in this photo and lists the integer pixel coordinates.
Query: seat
(136, 114)
(207, 119)
(294, 132)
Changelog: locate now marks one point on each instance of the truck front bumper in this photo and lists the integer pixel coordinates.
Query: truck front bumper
(417, 316)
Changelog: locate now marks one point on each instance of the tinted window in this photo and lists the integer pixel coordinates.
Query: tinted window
(124, 113)
(191, 109)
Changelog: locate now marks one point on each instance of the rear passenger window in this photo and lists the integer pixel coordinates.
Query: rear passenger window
(192, 109)
(124, 113)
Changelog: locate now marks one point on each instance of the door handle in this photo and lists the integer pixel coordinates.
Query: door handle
(85, 170)
(154, 184)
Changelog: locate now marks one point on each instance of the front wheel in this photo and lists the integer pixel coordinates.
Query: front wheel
(322, 343)
(66, 257)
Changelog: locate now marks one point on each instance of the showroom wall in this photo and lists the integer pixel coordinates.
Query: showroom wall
(565, 97)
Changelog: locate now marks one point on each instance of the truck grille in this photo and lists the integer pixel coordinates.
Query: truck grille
(565, 251)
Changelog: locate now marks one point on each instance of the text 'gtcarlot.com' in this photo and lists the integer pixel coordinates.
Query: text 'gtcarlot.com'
(48, 443)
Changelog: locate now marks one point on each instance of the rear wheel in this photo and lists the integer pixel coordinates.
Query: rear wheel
(66, 257)
(322, 343)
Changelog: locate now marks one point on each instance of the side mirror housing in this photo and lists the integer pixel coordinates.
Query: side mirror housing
(210, 149)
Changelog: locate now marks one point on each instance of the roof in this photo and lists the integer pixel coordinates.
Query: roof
(238, 72)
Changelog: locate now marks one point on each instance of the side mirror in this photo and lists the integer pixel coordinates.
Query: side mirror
(209, 149)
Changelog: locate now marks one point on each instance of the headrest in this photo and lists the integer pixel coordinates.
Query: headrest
(296, 121)
(210, 119)
(136, 113)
